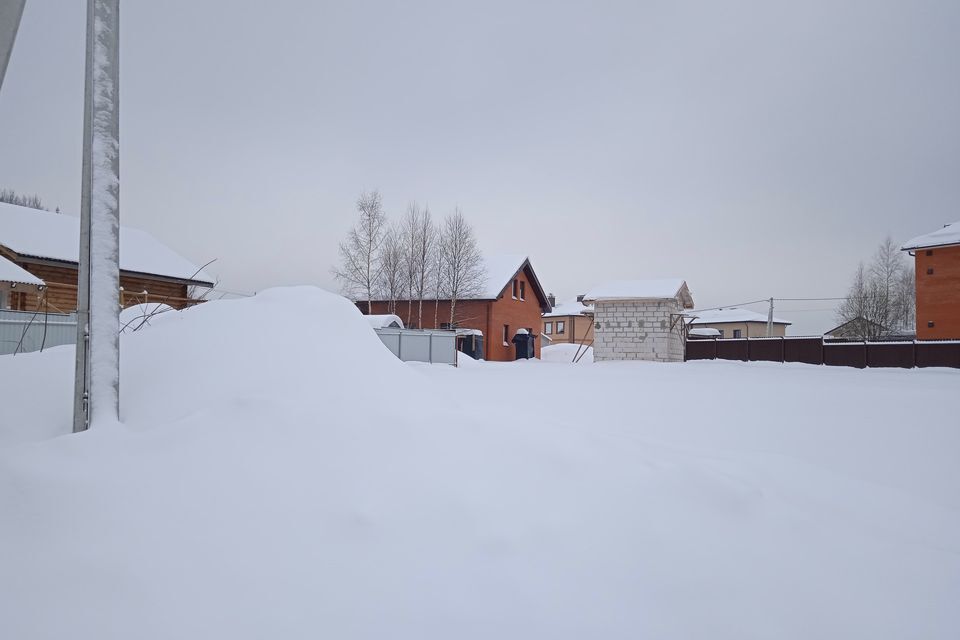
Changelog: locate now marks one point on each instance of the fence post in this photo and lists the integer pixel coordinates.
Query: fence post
(716, 349)
(914, 349)
(783, 349)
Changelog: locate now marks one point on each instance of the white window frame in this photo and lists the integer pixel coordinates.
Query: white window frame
(561, 327)
(548, 328)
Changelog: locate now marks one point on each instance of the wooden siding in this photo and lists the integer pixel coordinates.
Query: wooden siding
(60, 293)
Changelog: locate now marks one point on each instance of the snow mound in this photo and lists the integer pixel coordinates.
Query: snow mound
(280, 474)
(566, 353)
(138, 316)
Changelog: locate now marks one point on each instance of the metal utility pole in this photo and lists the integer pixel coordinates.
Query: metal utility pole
(770, 320)
(10, 13)
(97, 381)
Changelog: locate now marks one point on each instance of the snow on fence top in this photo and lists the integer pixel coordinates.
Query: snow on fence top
(41, 234)
(949, 234)
(9, 272)
(732, 314)
(656, 289)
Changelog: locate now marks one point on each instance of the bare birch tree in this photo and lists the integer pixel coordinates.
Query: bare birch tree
(464, 272)
(390, 286)
(359, 269)
(881, 298)
(438, 281)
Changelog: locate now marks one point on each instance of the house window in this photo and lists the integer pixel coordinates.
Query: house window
(930, 324)
(736, 333)
(506, 335)
(523, 290)
(929, 252)
(514, 289)
(929, 271)
(721, 332)
(448, 326)
(561, 326)
(548, 328)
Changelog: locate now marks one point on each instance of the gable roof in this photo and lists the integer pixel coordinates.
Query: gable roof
(731, 314)
(502, 269)
(654, 289)
(948, 235)
(32, 233)
(10, 272)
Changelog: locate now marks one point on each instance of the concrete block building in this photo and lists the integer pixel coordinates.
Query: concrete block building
(640, 319)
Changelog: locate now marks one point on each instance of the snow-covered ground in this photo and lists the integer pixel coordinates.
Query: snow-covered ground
(290, 479)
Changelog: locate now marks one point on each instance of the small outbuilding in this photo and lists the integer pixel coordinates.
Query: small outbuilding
(640, 319)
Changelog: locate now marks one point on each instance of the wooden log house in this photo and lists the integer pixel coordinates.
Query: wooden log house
(46, 246)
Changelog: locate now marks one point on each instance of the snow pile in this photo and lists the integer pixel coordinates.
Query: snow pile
(138, 316)
(383, 321)
(281, 474)
(567, 352)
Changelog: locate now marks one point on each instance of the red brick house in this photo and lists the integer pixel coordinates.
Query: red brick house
(937, 267)
(511, 300)
(46, 246)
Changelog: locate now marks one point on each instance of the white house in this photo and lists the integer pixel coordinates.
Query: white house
(639, 319)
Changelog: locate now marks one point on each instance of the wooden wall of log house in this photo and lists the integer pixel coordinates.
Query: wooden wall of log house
(60, 294)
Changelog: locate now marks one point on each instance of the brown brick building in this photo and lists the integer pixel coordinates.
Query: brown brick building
(511, 300)
(46, 245)
(937, 266)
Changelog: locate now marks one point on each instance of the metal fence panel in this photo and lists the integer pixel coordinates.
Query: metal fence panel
(890, 354)
(845, 354)
(815, 350)
(938, 354)
(417, 345)
(26, 331)
(701, 349)
(732, 350)
(765, 349)
(805, 350)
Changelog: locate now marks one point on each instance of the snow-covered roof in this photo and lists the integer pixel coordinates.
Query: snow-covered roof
(949, 234)
(500, 270)
(732, 314)
(383, 321)
(52, 236)
(655, 289)
(572, 308)
(9, 272)
(705, 331)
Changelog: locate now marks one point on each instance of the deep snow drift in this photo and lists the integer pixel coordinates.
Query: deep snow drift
(280, 474)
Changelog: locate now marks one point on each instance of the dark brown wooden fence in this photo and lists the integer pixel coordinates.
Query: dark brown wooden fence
(834, 353)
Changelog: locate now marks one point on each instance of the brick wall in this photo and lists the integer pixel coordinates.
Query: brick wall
(938, 293)
(637, 330)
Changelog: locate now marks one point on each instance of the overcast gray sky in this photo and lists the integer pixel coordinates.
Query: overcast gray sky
(755, 149)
